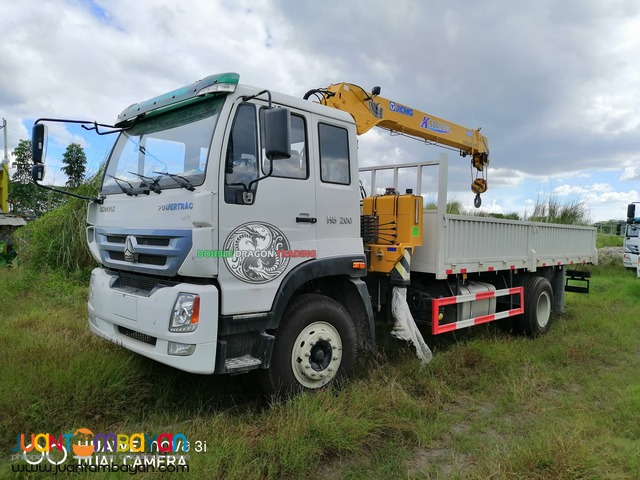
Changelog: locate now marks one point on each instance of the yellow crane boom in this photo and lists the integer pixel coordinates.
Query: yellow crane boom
(371, 110)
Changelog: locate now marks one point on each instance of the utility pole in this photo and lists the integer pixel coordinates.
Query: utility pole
(4, 173)
(6, 148)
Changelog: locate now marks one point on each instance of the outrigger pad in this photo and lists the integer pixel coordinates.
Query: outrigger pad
(577, 276)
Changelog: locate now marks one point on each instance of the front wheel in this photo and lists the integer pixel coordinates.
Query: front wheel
(538, 307)
(315, 346)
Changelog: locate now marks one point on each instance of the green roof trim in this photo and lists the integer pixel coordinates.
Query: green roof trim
(220, 83)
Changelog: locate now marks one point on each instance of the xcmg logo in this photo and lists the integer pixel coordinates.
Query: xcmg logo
(401, 109)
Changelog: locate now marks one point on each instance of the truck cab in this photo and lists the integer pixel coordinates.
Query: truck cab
(631, 242)
(203, 240)
(630, 246)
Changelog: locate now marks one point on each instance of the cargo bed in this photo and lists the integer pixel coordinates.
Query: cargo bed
(466, 244)
(455, 244)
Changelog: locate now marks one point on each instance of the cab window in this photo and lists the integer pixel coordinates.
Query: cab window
(297, 165)
(241, 165)
(334, 154)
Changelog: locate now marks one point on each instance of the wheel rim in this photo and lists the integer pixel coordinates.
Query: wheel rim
(543, 309)
(316, 355)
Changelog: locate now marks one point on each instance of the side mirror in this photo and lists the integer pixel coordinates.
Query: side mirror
(38, 143)
(277, 133)
(631, 213)
(37, 172)
(619, 229)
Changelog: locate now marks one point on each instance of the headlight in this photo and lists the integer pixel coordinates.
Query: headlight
(186, 313)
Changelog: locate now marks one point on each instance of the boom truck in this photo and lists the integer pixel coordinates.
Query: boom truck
(231, 235)
(631, 242)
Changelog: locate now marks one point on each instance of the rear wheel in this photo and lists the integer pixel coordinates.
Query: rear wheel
(538, 307)
(315, 346)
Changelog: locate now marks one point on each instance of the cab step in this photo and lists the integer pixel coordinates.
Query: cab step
(241, 364)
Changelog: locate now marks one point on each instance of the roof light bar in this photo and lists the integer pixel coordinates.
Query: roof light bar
(220, 83)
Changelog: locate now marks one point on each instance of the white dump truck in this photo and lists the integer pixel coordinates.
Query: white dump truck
(233, 234)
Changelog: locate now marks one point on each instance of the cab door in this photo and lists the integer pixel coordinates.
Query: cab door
(263, 241)
(337, 190)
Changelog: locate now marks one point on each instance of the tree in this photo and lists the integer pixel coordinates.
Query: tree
(75, 161)
(23, 162)
(24, 196)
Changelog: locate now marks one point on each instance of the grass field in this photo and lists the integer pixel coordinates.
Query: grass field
(490, 405)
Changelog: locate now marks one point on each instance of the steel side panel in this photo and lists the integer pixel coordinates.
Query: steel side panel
(478, 244)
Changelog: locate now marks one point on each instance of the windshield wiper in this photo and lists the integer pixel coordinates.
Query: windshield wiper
(183, 182)
(132, 191)
(154, 186)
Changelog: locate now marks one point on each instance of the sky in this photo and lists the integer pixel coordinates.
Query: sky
(554, 85)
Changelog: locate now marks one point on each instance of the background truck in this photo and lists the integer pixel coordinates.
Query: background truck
(232, 235)
(631, 241)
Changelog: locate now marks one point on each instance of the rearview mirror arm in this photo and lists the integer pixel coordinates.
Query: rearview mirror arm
(84, 123)
(99, 200)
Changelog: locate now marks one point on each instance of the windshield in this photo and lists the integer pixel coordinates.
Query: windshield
(175, 144)
(632, 231)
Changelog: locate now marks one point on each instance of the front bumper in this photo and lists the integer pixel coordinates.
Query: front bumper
(140, 323)
(630, 260)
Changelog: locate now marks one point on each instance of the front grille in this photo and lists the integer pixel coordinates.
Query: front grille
(158, 251)
(633, 249)
(154, 241)
(141, 337)
(143, 258)
(152, 259)
(138, 282)
(150, 241)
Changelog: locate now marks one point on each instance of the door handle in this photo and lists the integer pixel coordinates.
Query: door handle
(306, 220)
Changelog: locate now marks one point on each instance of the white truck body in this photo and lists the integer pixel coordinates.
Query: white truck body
(630, 246)
(203, 276)
(135, 313)
(477, 244)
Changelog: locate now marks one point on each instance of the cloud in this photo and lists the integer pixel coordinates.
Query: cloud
(553, 86)
(57, 132)
(629, 173)
(596, 188)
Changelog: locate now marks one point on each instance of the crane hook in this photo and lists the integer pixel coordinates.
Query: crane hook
(478, 186)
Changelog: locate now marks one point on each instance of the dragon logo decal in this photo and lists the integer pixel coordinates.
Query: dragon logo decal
(255, 256)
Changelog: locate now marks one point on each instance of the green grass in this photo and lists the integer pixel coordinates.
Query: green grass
(490, 405)
(608, 240)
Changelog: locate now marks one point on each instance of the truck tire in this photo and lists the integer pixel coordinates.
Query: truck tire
(315, 346)
(538, 307)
